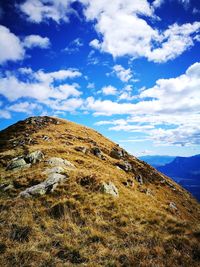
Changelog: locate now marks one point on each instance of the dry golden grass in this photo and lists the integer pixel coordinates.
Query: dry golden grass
(79, 225)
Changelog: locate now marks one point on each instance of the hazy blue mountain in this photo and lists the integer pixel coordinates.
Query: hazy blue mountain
(185, 171)
(157, 160)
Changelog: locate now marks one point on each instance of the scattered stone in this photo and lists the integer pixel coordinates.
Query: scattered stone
(126, 166)
(173, 207)
(45, 138)
(97, 152)
(139, 179)
(59, 162)
(17, 163)
(81, 149)
(128, 183)
(6, 187)
(117, 153)
(163, 181)
(34, 157)
(48, 186)
(109, 188)
(54, 170)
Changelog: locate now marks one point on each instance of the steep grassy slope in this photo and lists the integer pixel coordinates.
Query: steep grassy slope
(152, 221)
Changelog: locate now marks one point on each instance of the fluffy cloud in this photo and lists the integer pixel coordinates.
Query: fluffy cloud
(109, 90)
(123, 32)
(39, 85)
(168, 112)
(24, 107)
(123, 26)
(123, 74)
(32, 41)
(11, 47)
(42, 10)
(41, 89)
(4, 114)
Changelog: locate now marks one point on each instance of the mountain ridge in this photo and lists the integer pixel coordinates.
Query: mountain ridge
(70, 196)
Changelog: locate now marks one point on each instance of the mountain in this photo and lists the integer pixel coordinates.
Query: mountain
(157, 160)
(71, 197)
(185, 171)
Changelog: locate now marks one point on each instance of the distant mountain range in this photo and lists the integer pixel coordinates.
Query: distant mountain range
(157, 161)
(184, 170)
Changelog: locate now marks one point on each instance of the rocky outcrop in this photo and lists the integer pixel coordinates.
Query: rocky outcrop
(139, 179)
(97, 152)
(59, 162)
(54, 170)
(34, 157)
(109, 188)
(17, 163)
(48, 186)
(118, 153)
(25, 161)
(81, 149)
(125, 165)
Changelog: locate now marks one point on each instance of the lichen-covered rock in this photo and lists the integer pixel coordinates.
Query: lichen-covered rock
(97, 152)
(81, 149)
(109, 188)
(54, 170)
(17, 163)
(59, 162)
(139, 179)
(34, 157)
(117, 153)
(48, 186)
(126, 166)
(172, 207)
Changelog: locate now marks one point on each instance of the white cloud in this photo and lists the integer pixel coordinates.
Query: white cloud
(122, 26)
(169, 112)
(10, 46)
(109, 90)
(123, 32)
(24, 107)
(157, 3)
(32, 41)
(73, 46)
(4, 114)
(123, 74)
(42, 10)
(14, 49)
(39, 85)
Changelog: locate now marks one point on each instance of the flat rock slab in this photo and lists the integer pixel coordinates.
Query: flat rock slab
(109, 188)
(17, 163)
(59, 162)
(48, 186)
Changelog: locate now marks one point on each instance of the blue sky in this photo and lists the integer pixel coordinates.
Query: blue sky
(129, 69)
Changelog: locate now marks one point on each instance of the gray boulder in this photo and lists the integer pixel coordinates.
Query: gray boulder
(17, 163)
(139, 179)
(54, 170)
(34, 157)
(59, 162)
(126, 166)
(48, 186)
(109, 188)
(173, 207)
(97, 152)
(81, 149)
(117, 153)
